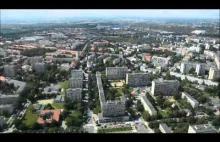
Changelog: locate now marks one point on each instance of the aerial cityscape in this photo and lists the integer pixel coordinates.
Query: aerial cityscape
(109, 71)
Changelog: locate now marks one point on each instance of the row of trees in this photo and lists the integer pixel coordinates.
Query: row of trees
(36, 52)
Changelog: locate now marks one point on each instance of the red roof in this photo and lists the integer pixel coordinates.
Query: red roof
(56, 116)
(2, 78)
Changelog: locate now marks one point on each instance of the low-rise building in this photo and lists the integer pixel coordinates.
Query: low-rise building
(164, 128)
(51, 90)
(59, 99)
(9, 108)
(202, 128)
(148, 106)
(190, 99)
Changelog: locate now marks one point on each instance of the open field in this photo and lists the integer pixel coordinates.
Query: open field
(64, 85)
(58, 105)
(30, 118)
(45, 102)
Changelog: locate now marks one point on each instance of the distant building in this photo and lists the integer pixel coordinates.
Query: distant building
(26, 68)
(51, 90)
(202, 128)
(74, 94)
(40, 67)
(114, 73)
(59, 99)
(38, 107)
(106, 59)
(164, 87)
(146, 57)
(164, 128)
(33, 60)
(65, 66)
(148, 106)
(185, 67)
(200, 69)
(9, 108)
(2, 121)
(8, 99)
(137, 79)
(190, 99)
(77, 55)
(3, 53)
(214, 74)
(9, 71)
(160, 61)
(116, 61)
(198, 32)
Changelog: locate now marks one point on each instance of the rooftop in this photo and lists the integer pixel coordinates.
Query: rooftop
(56, 116)
(204, 128)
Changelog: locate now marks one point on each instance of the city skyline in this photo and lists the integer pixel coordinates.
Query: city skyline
(85, 13)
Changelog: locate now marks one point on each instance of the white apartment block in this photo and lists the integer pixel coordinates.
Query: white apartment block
(137, 79)
(33, 60)
(164, 128)
(8, 99)
(9, 108)
(40, 67)
(160, 61)
(9, 70)
(190, 99)
(148, 106)
(109, 108)
(76, 83)
(114, 73)
(166, 87)
(214, 74)
(74, 94)
(2, 121)
(202, 128)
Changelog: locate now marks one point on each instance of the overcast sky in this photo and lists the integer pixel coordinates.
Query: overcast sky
(45, 14)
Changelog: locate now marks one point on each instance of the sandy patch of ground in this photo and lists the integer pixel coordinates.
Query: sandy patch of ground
(45, 102)
(118, 84)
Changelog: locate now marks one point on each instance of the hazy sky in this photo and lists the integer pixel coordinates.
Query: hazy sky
(45, 14)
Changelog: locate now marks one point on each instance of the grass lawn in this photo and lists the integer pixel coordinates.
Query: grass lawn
(30, 118)
(130, 89)
(64, 85)
(74, 113)
(164, 114)
(58, 105)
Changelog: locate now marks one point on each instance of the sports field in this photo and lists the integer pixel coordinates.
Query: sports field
(45, 102)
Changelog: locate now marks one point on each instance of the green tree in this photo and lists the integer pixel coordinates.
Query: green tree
(146, 116)
(140, 107)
